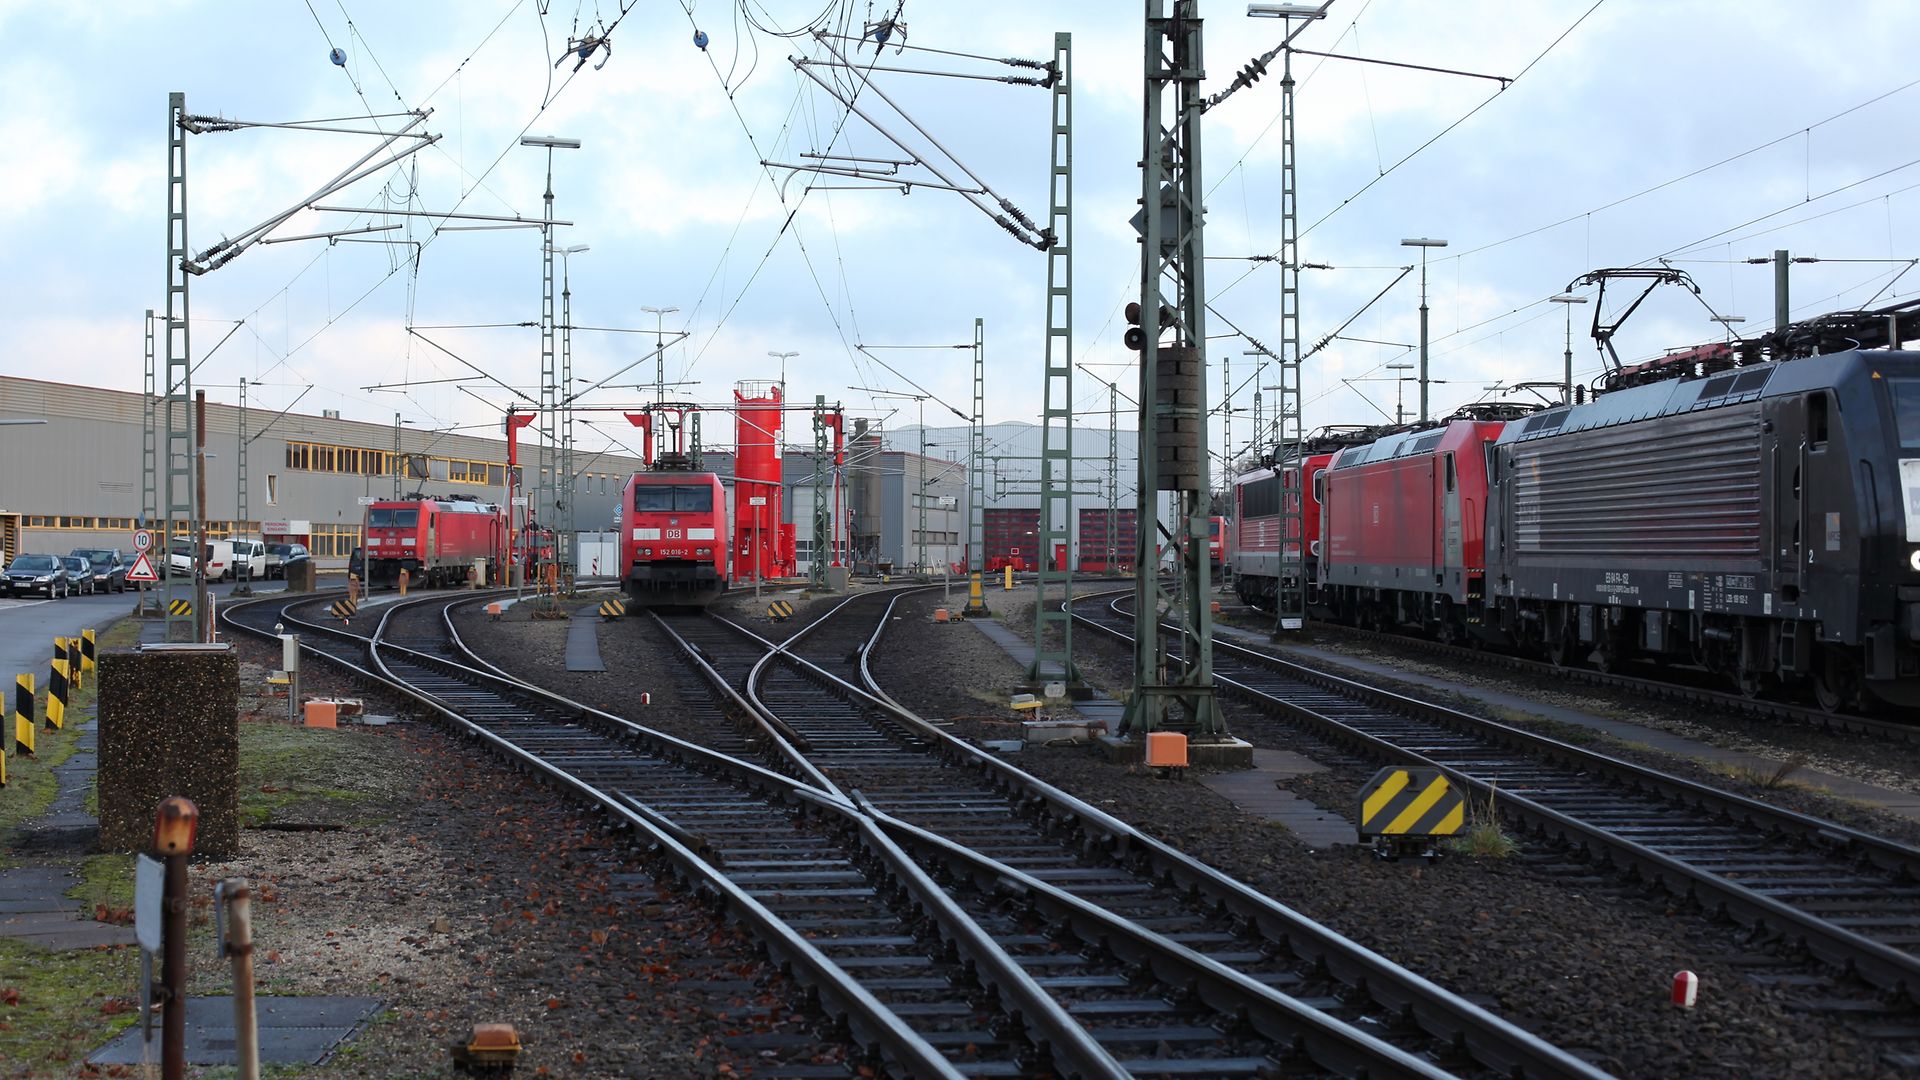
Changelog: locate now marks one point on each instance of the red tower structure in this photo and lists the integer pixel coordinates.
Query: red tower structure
(763, 546)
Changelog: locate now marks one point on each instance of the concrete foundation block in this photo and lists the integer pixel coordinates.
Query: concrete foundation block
(169, 725)
(300, 576)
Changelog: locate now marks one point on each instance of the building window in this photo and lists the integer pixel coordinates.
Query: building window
(334, 541)
(273, 489)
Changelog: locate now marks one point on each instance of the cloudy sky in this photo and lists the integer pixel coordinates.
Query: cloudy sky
(1706, 133)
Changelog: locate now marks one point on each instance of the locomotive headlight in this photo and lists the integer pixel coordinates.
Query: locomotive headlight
(707, 553)
(646, 551)
(1914, 559)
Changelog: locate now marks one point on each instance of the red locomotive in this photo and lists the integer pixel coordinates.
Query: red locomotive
(1404, 533)
(1254, 549)
(673, 541)
(435, 540)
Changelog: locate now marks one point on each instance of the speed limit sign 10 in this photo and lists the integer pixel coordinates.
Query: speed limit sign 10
(142, 539)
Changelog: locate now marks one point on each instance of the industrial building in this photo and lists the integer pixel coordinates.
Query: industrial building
(77, 480)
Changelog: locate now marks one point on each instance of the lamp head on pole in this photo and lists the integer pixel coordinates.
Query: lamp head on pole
(175, 823)
(551, 142)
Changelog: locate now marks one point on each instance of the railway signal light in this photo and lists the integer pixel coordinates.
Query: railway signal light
(1136, 335)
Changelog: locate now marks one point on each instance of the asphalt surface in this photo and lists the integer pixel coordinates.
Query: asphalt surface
(28, 625)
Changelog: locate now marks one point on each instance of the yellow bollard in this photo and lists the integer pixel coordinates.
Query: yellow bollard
(353, 588)
(89, 651)
(1009, 569)
(76, 677)
(57, 695)
(403, 581)
(23, 714)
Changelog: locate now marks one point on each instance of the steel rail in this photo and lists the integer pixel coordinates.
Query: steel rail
(840, 994)
(1072, 1047)
(1879, 964)
(1277, 1015)
(1492, 1040)
(1328, 1041)
(1847, 723)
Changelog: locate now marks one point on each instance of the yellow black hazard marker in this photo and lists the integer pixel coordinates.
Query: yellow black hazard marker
(612, 609)
(780, 610)
(1411, 805)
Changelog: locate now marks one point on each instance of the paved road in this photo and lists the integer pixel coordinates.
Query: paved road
(28, 626)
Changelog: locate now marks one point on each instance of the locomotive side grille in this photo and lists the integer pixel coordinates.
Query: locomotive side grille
(1607, 492)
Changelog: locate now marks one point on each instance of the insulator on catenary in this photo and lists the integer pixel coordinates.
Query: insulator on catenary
(700, 40)
(339, 57)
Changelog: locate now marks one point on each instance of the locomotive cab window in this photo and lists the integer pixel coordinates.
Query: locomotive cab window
(1906, 411)
(1452, 478)
(668, 498)
(1817, 421)
(388, 518)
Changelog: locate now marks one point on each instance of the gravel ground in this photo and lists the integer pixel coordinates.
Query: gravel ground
(457, 891)
(1582, 959)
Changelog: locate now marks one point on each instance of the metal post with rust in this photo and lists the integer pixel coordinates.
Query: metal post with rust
(238, 948)
(174, 825)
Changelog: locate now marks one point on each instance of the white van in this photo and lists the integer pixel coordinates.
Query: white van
(249, 558)
(217, 556)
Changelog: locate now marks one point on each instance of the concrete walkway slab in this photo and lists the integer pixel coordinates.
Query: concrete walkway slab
(583, 640)
(34, 905)
(293, 1031)
(1257, 791)
(1098, 707)
(1904, 803)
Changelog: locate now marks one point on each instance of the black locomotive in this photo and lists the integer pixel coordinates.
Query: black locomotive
(1752, 507)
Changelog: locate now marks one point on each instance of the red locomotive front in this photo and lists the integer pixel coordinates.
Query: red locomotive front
(673, 541)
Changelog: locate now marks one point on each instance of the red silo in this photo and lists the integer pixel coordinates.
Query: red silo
(756, 492)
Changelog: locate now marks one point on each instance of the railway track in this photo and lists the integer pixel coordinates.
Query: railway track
(1641, 686)
(1157, 954)
(1850, 898)
(925, 987)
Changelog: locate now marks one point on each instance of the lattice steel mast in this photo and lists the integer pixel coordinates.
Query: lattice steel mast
(977, 478)
(1053, 627)
(149, 465)
(1290, 605)
(241, 587)
(1173, 408)
(822, 512)
(181, 465)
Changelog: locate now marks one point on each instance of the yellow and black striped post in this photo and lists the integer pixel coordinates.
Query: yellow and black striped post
(89, 651)
(76, 678)
(57, 695)
(612, 609)
(344, 609)
(180, 607)
(780, 611)
(23, 714)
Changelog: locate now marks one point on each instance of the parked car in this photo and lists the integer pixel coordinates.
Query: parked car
(279, 555)
(249, 558)
(38, 574)
(109, 568)
(79, 574)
